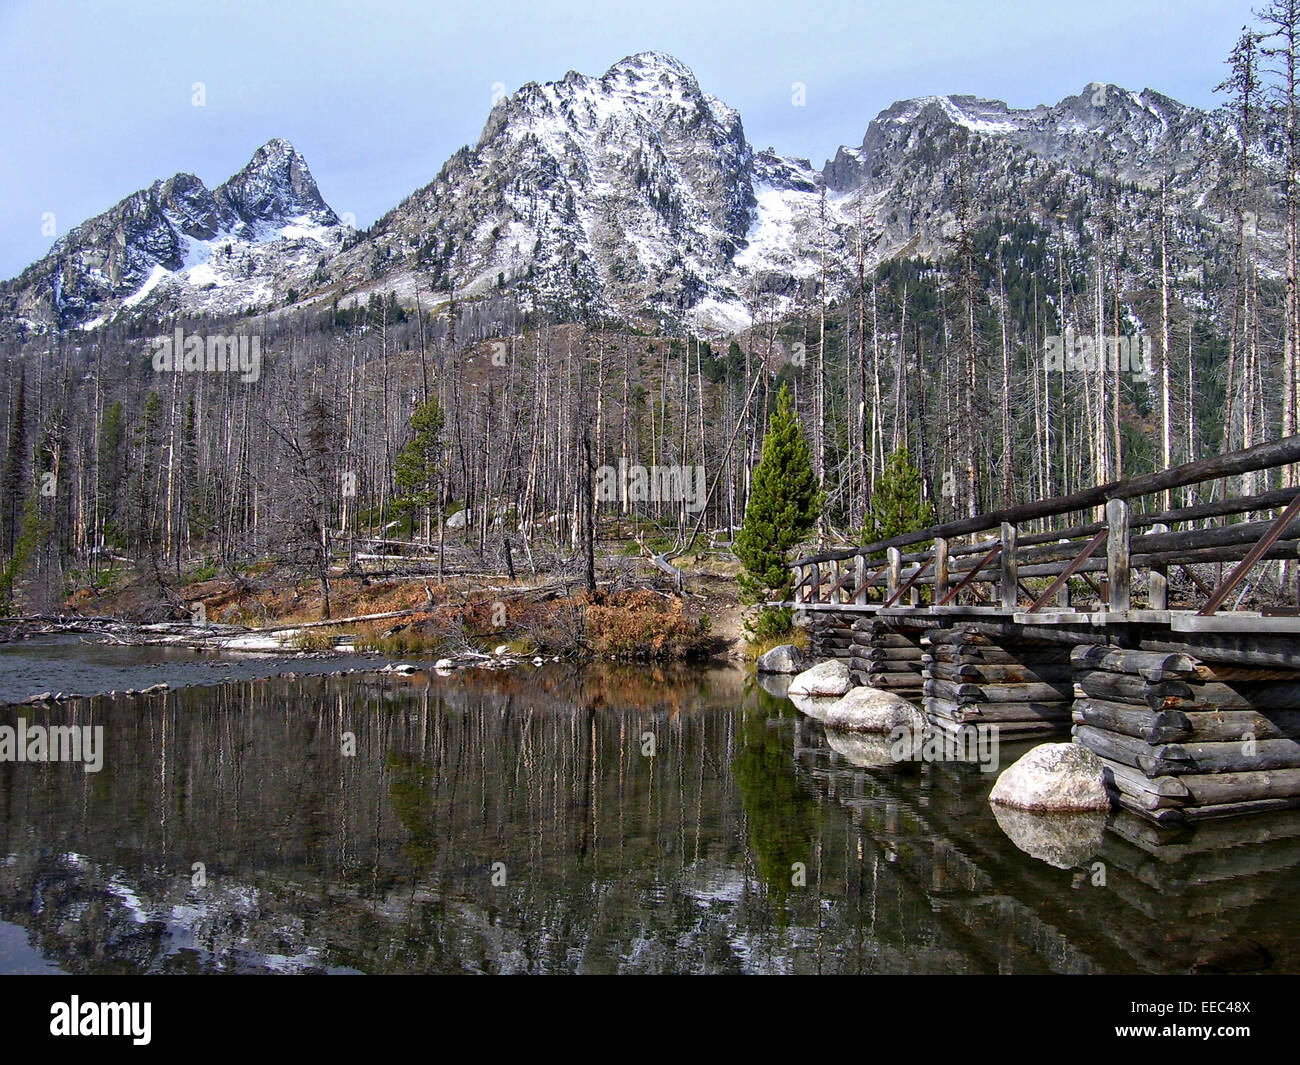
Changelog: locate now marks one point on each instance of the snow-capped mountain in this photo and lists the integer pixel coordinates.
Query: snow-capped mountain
(1106, 152)
(631, 193)
(243, 244)
(637, 195)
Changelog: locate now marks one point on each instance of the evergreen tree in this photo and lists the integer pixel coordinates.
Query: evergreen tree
(35, 530)
(897, 506)
(784, 502)
(417, 471)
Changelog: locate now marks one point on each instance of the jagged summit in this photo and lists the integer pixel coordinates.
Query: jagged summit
(636, 194)
(276, 188)
(214, 250)
(651, 70)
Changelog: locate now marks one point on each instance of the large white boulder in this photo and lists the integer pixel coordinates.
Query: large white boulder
(1053, 776)
(873, 710)
(786, 658)
(815, 706)
(825, 678)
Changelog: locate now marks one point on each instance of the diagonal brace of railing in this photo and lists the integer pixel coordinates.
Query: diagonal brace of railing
(921, 568)
(1065, 574)
(993, 553)
(1257, 552)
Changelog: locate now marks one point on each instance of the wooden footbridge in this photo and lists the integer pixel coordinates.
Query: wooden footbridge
(1117, 611)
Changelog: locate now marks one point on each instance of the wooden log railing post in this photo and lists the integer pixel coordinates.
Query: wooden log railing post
(1010, 580)
(860, 568)
(815, 589)
(940, 569)
(895, 572)
(1158, 582)
(1118, 574)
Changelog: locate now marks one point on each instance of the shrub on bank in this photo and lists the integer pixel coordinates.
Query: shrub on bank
(644, 624)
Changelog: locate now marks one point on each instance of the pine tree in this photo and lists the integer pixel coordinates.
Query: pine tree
(111, 473)
(783, 506)
(897, 506)
(417, 470)
(34, 531)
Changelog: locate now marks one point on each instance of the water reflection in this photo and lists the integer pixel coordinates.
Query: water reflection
(607, 820)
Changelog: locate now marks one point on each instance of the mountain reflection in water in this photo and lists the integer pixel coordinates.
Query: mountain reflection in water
(607, 819)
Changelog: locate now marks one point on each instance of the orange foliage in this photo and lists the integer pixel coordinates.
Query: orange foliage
(643, 624)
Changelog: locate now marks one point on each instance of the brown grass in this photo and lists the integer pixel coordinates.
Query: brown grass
(644, 624)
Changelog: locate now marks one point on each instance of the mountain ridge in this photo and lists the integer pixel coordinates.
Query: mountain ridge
(634, 195)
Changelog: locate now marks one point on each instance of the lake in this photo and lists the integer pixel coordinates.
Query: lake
(567, 819)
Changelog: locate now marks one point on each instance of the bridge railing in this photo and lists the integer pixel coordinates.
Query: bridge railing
(1118, 531)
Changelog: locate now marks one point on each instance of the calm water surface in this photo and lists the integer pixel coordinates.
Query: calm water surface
(603, 820)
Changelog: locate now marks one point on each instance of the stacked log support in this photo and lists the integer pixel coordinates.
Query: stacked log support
(832, 636)
(886, 656)
(1186, 741)
(1025, 688)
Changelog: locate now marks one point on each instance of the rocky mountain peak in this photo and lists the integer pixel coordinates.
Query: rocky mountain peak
(633, 193)
(276, 188)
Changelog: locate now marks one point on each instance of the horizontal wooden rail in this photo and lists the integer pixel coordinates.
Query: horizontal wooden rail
(1262, 457)
(1135, 539)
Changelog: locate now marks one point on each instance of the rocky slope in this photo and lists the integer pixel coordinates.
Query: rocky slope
(636, 195)
(243, 244)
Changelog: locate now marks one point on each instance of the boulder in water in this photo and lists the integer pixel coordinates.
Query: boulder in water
(786, 658)
(1053, 776)
(826, 678)
(874, 710)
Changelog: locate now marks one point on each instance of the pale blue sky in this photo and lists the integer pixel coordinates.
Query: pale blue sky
(95, 98)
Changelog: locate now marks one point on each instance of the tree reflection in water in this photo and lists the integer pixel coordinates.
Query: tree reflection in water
(560, 820)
